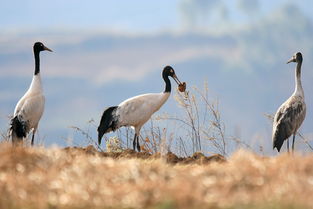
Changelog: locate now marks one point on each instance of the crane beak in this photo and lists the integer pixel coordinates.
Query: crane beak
(47, 49)
(176, 79)
(291, 60)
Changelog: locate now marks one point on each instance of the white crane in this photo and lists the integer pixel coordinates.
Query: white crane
(30, 107)
(291, 113)
(136, 111)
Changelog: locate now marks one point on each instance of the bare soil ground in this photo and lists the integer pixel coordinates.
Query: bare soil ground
(196, 158)
(69, 178)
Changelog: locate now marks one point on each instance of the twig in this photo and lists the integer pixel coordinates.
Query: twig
(86, 134)
(305, 140)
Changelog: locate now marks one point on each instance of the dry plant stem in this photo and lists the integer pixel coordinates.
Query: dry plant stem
(305, 140)
(190, 107)
(217, 119)
(5, 137)
(127, 133)
(183, 147)
(203, 123)
(240, 142)
(151, 141)
(88, 137)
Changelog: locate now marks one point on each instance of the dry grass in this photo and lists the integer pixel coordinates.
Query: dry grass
(32, 178)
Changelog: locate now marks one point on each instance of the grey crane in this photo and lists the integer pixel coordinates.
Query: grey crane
(291, 113)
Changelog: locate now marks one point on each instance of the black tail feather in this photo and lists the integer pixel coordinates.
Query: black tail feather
(280, 136)
(18, 129)
(278, 144)
(108, 122)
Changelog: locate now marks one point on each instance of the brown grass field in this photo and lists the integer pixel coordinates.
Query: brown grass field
(80, 178)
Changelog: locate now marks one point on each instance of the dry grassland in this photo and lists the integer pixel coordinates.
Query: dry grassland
(80, 178)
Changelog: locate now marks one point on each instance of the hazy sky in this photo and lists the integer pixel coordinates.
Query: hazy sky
(133, 16)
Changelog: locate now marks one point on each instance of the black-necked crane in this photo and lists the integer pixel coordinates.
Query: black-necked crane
(30, 107)
(136, 111)
(291, 113)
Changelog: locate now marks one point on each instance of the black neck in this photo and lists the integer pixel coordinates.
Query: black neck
(167, 84)
(37, 62)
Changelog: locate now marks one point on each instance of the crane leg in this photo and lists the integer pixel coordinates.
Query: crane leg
(138, 145)
(293, 142)
(288, 144)
(134, 142)
(32, 143)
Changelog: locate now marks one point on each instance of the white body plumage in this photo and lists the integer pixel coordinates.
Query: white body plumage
(31, 106)
(136, 111)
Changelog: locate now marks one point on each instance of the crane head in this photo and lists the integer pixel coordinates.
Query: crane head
(297, 57)
(169, 71)
(38, 47)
